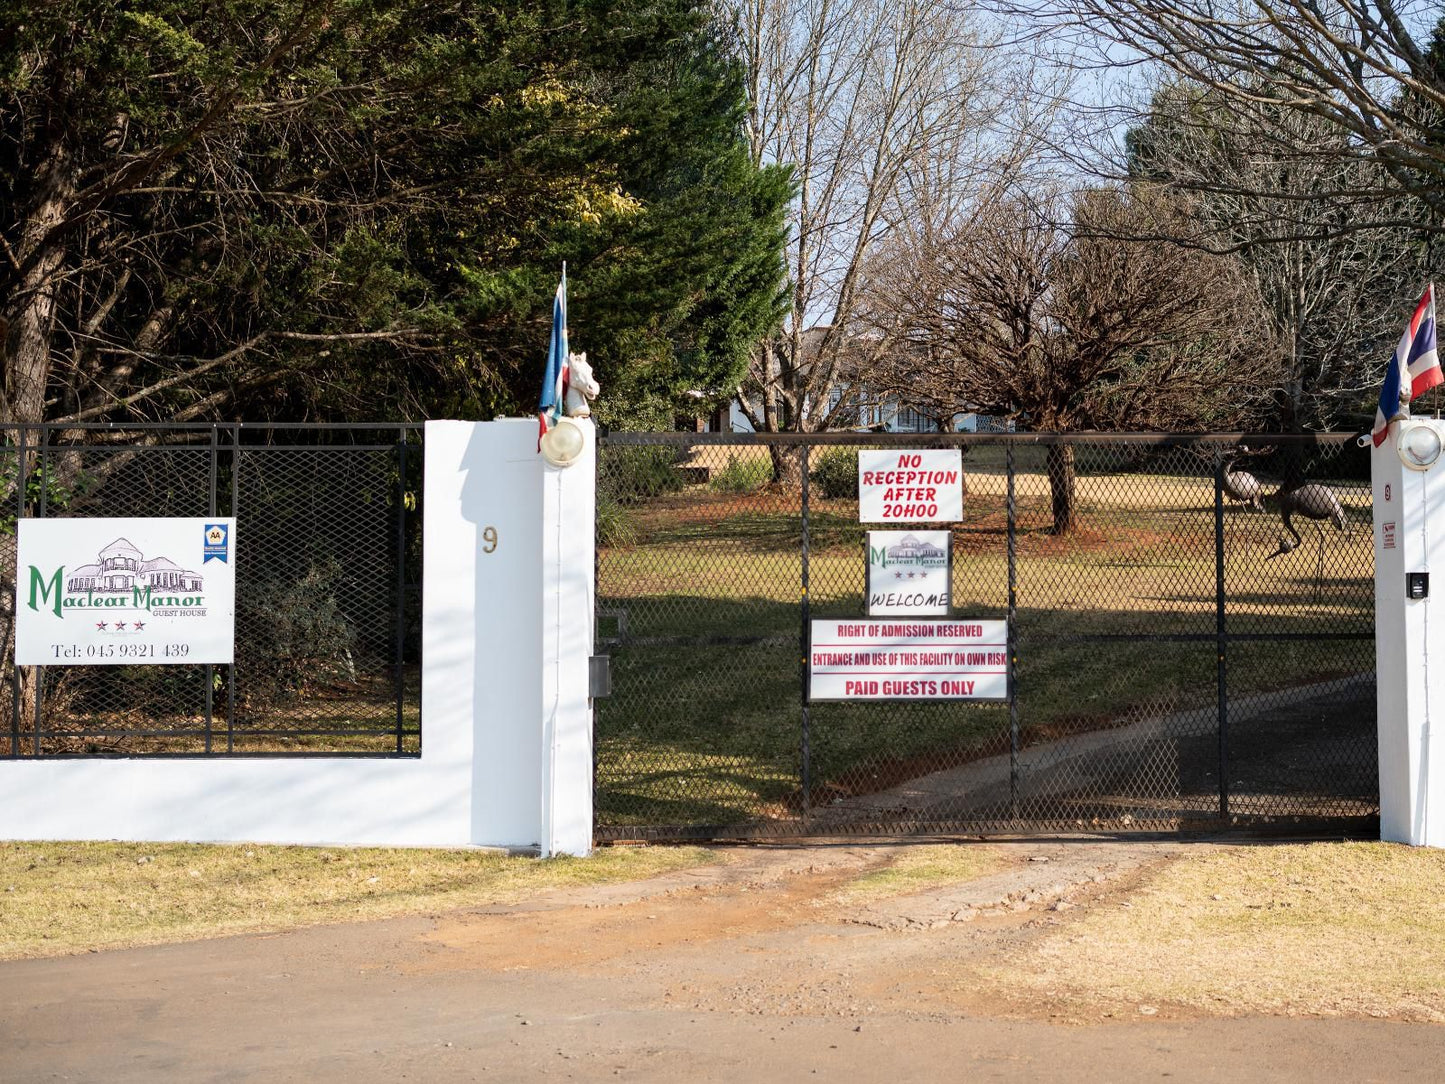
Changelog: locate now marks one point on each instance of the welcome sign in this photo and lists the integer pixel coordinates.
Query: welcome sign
(125, 592)
(909, 572)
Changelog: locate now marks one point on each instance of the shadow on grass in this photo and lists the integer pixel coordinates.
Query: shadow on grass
(702, 731)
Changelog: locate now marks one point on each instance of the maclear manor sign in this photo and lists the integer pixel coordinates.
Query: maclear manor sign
(125, 592)
(909, 572)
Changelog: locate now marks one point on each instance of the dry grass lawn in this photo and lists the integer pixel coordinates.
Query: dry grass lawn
(58, 898)
(1315, 929)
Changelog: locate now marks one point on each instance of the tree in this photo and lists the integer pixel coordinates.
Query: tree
(876, 105)
(273, 208)
(1083, 328)
(1332, 296)
(1358, 67)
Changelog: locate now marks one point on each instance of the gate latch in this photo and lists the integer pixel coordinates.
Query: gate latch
(599, 676)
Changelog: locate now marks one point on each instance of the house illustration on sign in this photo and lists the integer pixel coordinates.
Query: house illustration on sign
(910, 548)
(123, 568)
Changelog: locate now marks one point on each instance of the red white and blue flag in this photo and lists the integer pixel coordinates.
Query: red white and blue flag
(557, 377)
(1414, 369)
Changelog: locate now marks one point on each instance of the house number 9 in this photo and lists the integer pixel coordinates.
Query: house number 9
(489, 540)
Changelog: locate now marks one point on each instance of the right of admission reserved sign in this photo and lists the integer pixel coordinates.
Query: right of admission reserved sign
(900, 659)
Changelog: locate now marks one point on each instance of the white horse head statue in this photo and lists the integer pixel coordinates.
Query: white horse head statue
(581, 386)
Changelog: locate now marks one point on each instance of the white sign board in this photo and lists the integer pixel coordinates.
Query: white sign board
(910, 487)
(892, 659)
(125, 592)
(909, 572)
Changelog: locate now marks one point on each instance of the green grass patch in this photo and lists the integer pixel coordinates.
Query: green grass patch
(704, 624)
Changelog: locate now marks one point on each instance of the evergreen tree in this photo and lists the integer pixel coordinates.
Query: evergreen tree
(360, 208)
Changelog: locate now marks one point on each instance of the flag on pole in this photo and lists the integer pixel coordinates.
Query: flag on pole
(555, 380)
(1414, 368)
(1423, 359)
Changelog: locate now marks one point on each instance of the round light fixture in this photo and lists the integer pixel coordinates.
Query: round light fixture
(563, 443)
(1419, 445)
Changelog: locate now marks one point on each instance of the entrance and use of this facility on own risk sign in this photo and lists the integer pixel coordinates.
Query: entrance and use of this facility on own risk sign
(125, 592)
(907, 659)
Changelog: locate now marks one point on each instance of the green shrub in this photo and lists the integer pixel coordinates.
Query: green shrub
(614, 522)
(742, 475)
(639, 472)
(296, 636)
(835, 473)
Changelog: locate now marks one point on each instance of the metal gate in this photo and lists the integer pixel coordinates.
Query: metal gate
(1177, 660)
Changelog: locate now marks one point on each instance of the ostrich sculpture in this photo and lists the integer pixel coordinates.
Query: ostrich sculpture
(1314, 502)
(1241, 486)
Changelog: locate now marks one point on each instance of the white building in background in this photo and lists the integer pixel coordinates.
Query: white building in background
(874, 413)
(887, 416)
(122, 568)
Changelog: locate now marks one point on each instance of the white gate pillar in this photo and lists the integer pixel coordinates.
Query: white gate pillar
(1409, 514)
(507, 626)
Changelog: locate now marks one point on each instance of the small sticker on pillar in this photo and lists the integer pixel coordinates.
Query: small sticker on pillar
(1387, 535)
(1387, 491)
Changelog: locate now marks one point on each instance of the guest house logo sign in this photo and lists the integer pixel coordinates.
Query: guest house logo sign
(909, 572)
(125, 592)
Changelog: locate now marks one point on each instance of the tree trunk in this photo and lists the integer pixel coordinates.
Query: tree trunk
(32, 317)
(787, 467)
(1061, 486)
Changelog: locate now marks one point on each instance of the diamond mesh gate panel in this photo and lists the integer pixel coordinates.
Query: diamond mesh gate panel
(1301, 648)
(699, 566)
(327, 592)
(1170, 672)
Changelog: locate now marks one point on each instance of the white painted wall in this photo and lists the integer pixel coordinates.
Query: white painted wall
(507, 634)
(1409, 645)
(506, 724)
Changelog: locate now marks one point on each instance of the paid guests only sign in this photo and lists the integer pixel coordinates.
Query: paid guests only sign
(849, 659)
(910, 487)
(125, 592)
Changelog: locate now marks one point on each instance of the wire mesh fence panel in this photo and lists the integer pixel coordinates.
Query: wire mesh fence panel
(896, 765)
(327, 637)
(1171, 668)
(697, 602)
(316, 608)
(1298, 580)
(116, 709)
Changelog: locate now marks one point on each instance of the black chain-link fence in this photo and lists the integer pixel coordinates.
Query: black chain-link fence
(328, 574)
(1183, 655)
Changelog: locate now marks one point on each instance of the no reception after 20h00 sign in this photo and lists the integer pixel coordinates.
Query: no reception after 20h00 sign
(910, 487)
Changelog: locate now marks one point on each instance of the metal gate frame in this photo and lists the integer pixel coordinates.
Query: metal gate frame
(1019, 813)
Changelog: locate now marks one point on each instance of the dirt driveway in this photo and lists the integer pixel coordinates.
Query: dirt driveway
(760, 967)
